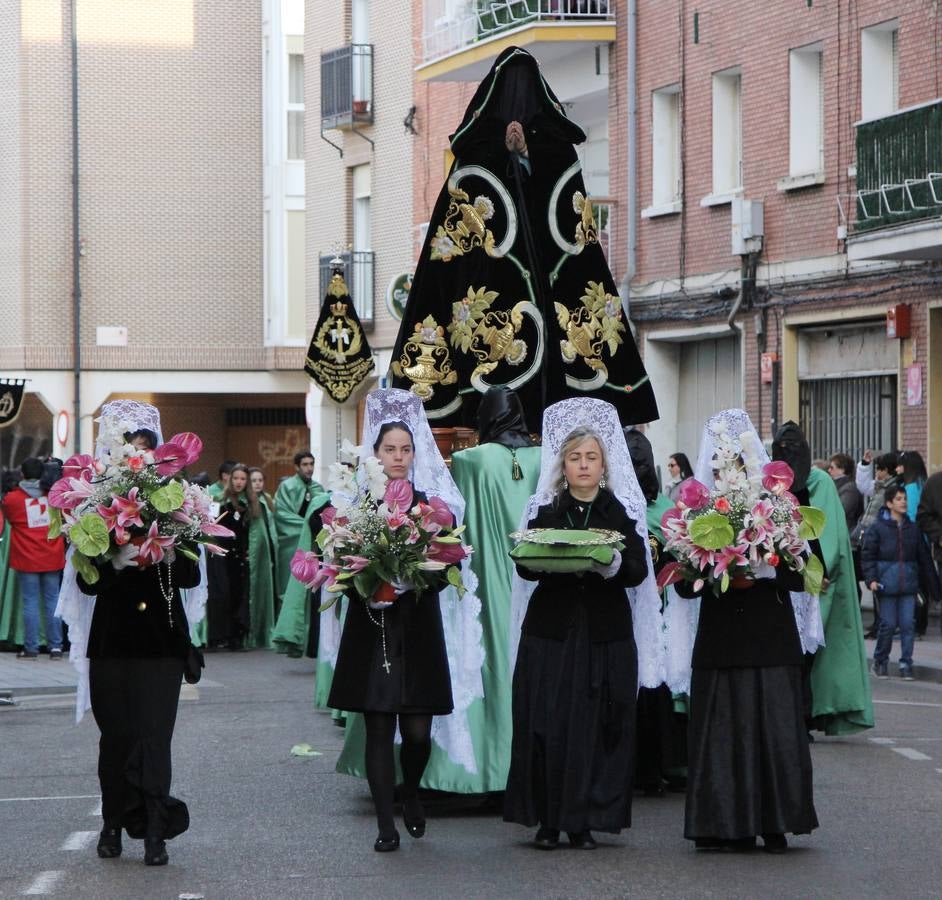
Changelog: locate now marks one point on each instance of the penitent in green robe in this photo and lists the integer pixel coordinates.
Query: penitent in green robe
(263, 566)
(290, 498)
(495, 504)
(840, 684)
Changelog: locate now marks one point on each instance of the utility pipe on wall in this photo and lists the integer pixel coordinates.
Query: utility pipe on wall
(632, 154)
(76, 249)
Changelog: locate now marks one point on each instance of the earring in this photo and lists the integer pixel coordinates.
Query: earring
(602, 482)
(565, 484)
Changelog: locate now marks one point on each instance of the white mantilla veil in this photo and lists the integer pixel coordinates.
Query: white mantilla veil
(736, 427)
(559, 421)
(460, 617)
(118, 417)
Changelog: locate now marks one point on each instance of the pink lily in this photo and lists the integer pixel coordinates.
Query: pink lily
(67, 493)
(702, 558)
(129, 509)
(154, 546)
(170, 458)
(730, 557)
(355, 563)
(215, 549)
(214, 529)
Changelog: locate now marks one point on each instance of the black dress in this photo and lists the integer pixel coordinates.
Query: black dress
(418, 680)
(136, 647)
(749, 769)
(574, 686)
(227, 611)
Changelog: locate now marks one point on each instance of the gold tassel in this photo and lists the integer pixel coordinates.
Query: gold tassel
(516, 472)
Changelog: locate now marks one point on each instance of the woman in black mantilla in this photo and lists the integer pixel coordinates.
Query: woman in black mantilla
(576, 675)
(137, 644)
(229, 577)
(749, 765)
(392, 666)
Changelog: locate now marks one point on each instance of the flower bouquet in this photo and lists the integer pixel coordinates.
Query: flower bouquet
(381, 542)
(129, 508)
(745, 524)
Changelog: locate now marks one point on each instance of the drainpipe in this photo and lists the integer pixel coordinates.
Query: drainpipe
(632, 154)
(76, 250)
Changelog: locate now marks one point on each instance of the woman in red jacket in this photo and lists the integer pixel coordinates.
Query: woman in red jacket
(37, 561)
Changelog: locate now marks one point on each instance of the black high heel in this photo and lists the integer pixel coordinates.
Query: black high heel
(387, 845)
(415, 824)
(109, 843)
(155, 852)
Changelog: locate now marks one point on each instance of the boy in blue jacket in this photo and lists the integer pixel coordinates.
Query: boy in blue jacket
(896, 564)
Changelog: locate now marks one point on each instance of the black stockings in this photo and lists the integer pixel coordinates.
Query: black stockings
(416, 731)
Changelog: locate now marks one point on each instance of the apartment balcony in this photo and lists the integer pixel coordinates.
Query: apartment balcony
(347, 87)
(462, 38)
(358, 273)
(899, 186)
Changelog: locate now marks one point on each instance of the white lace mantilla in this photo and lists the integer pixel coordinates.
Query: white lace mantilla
(559, 421)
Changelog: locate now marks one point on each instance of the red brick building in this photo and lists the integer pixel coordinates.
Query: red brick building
(796, 121)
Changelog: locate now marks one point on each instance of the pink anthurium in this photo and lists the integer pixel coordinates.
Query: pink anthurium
(777, 476)
(669, 574)
(398, 493)
(81, 465)
(67, 493)
(446, 553)
(694, 494)
(170, 458)
(327, 515)
(191, 445)
(442, 514)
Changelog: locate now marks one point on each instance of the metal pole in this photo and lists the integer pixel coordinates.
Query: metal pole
(76, 248)
(338, 424)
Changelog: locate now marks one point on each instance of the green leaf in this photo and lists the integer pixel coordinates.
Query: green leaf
(333, 599)
(55, 523)
(711, 531)
(724, 583)
(168, 498)
(812, 522)
(304, 750)
(813, 575)
(365, 584)
(454, 576)
(90, 535)
(84, 567)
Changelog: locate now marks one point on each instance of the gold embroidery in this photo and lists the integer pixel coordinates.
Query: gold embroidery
(463, 228)
(337, 287)
(655, 548)
(594, 325)
(339, 336)
(341, 361)
(586, 231)
(425, 360)
(490, 335)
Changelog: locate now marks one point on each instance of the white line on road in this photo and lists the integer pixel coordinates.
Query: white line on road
(910, 753)
(69, 797)
(939, 771)
(45, 882)
(881, 740)
(908, 703)
(96, 812)
(79, 840)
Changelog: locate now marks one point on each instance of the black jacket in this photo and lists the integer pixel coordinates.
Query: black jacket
(749, 628)
(929, 514)
(557, 597)
(131, 618)
(851, 499)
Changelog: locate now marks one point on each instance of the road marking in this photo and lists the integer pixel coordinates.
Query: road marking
(96, 812)
(939, 771)
(910, 753)
(45, 882)
(908, 703)
(881, 740)
(79, 840)
(68, 797)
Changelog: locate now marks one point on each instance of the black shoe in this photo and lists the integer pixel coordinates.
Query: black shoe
(414, 817)
(109, 843)
(743, 845)
(155, 852)
(546, 839)
(774, 843)
(387, 845)
(711, 844)
(582, 840)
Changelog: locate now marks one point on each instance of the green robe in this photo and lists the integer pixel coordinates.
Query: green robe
(840, 684)
(263, 545)
(495, 503)
(216, 490)
(11, 613)
(289, 499)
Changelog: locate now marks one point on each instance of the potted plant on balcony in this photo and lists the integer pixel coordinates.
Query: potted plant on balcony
(361, 107)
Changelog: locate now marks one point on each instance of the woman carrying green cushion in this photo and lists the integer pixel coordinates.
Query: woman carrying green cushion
(576, 674)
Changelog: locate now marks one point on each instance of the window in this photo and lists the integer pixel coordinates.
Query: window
(665, 150)
(295, 145)
(727, 132)
(806, 112)
(879, 70)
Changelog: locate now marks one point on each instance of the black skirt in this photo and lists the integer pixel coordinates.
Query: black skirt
(662, 739)
(134, 702)
(572, 754)
(749, 762)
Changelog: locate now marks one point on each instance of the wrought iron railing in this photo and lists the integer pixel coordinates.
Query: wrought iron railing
(347, 86)
(899, 167)
(451, 25)
(358, 272)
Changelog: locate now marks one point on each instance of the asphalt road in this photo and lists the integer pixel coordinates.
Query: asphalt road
(269, 825)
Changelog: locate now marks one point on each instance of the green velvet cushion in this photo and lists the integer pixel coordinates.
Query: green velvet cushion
(555, 552)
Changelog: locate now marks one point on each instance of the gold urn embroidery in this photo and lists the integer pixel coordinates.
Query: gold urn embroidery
(464, 227)
(591, 327)
(490, 335)
(586, 230)
(425, 360)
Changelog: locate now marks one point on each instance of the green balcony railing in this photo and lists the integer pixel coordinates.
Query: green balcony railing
(899, 167)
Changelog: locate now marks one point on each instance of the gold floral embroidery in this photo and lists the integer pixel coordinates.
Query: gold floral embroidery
(586, 230)
(464, 227)
(488, 334)
(425, 360)
(591, 327)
